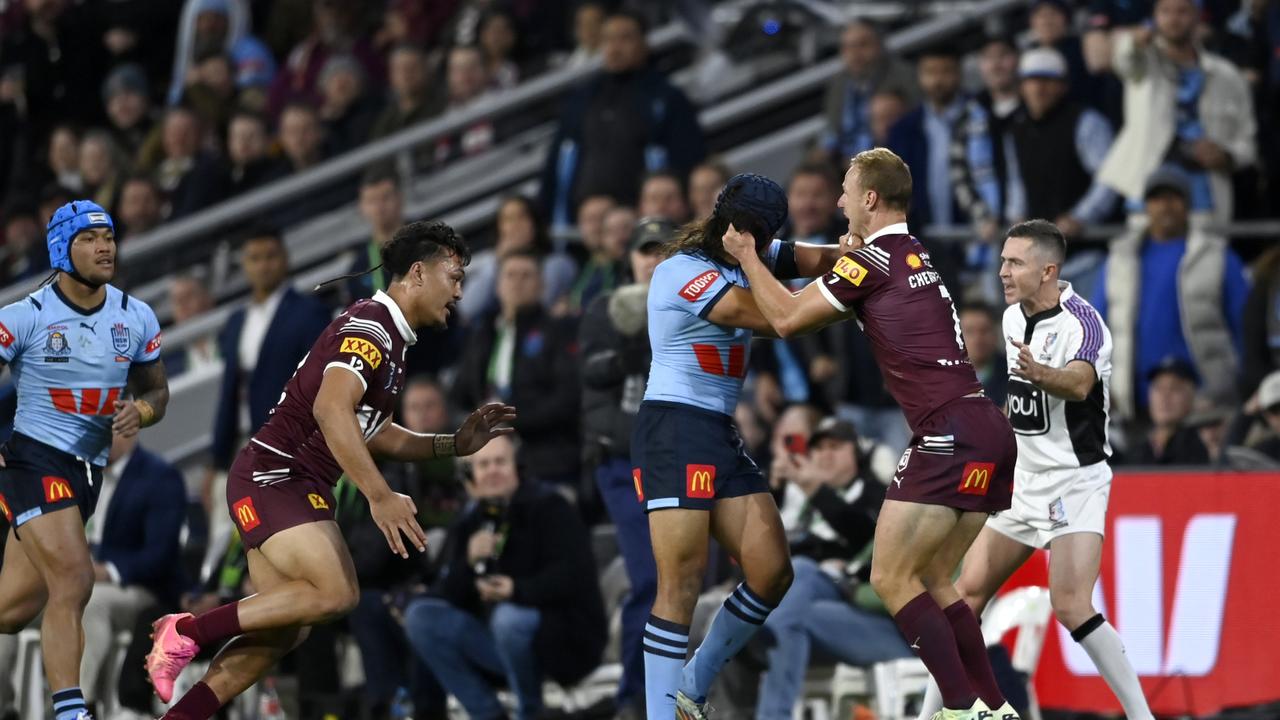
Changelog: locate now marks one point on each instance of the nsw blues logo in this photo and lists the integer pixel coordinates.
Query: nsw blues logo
(120, 338)
(56, 344)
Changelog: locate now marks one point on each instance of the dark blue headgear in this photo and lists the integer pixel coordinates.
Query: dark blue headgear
(757, 195)
(67, 222)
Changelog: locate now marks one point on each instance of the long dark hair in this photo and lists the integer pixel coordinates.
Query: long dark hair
(707, 235)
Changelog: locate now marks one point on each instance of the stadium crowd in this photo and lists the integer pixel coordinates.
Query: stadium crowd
(1158, 116)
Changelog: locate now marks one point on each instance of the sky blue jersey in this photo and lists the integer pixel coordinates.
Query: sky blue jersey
(70, 365)
(696, 362)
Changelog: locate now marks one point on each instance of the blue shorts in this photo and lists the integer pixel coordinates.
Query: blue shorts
(687, 457)
(39, 479)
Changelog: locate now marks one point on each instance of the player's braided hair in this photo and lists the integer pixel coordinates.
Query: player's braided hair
(419, 241)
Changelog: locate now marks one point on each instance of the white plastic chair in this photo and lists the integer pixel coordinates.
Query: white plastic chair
(1030, 611)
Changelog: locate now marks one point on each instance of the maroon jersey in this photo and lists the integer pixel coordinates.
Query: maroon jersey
(368, 340)
(907, 313)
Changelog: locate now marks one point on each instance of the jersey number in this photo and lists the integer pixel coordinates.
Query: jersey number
(711, 362)
(942, 290)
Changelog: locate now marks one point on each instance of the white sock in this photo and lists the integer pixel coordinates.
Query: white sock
(932, 702)
(1103, 644)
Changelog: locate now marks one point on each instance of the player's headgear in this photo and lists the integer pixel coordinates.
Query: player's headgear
(67, 222)
(757, 196)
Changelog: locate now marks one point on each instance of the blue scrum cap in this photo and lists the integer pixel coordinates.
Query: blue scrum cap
(757, 195)
(67, 222)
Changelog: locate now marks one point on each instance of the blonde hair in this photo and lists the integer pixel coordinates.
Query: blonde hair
(881, 170)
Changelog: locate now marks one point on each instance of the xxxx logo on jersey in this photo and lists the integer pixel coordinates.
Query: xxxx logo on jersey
(364, 349)
(850, 270)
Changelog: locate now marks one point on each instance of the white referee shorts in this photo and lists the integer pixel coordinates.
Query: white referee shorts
(1053, 503)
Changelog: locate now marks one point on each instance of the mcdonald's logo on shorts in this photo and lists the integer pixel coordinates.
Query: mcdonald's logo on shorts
(635, 478)
(317, 501)
(245, 514)
(700, 480)
(976, 478)
(56, 489)
(4, 508)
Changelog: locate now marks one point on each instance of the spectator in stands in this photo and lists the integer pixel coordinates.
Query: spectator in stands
(1182, 105)
(187, 174)
(49, 82)
(381, 205)
(517, 596)
(102, 167)
(261, 345)
(25, 252)
(1171, 288)
(410, 101)
(706, 180)
(603, 269)
(385, 577)
(141, 33)
(1261, 325)
(333, 32)
(829, 509)
(1061, 143)
(980, 325)
(210, 89)
(189, 298)
(126, 96)
(811, 199)
(523, 355)
(886, 109)
(496, 37)
(1268, 408)
(1051, 29)
(999, 98)
(52, 197)
(868, 69)
(1169, 441)
(923, 139)
(248, 165)
(520, 227)
(62, 157)
(466, 80)
(301, 137)
(619, 125)
(793, 421)
(134, 538)
(615, 370)
(140, 209)
(662, 195)
(224, 24)
(619, 223)
(588, 21)
(347, 109)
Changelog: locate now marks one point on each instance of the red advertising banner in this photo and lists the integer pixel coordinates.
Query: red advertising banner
(1190, 580)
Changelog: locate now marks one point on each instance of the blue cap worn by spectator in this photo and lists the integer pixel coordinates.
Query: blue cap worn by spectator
(757, 196)
(1175, 365)
(1167, 177)
(126, 78)
(254, 65)
(67, 222)
(1042, 62)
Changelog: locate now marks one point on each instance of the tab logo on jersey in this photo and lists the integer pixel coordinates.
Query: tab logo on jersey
(4, 508)
(700, 481)
(120, 337)
(153, 344)
(6, 337)
(1028, 408)
(850, 270)
(56, 489)
(635, 478)
(245, 514)
(695, 287)
(317, 501)
(364, 349)
(977, 478)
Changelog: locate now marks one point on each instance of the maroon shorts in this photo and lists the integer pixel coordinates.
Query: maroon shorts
(264, 498)
(962, 457)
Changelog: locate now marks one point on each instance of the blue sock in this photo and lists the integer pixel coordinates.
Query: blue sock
(68, 703)
(736, 623)
(665, 646)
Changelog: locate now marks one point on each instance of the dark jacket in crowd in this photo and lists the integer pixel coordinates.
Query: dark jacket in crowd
(297, 323)
(142, 522)
(544, 388)
(547, 554)
(612, 130)
(615, 371)
(1184, 448)
(854, 521)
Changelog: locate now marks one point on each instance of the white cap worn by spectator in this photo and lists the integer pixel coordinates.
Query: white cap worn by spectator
(1269, 391)
(1042, 62)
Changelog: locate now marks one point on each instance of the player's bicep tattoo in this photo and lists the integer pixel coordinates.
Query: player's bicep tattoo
(150, 382)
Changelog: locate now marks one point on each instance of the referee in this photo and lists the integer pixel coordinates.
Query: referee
(1059, 354)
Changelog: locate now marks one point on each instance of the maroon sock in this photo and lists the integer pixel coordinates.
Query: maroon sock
(198, 704)
(929, 634)
(206, 629)
(973, 653)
